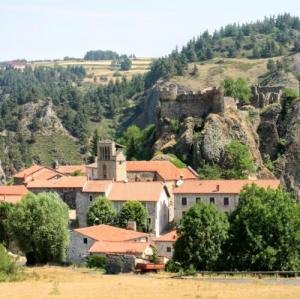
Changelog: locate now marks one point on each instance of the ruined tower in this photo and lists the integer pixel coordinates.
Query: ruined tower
(111, 161)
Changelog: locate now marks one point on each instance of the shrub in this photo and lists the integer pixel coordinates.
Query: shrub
(154, 258)
(96, 261)
(8, 268)
(5, 209)
(172, 266)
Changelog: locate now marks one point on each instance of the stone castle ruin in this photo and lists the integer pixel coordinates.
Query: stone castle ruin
(175, 102)
(266, 95)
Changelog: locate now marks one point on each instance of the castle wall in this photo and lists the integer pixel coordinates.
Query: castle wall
(192, 104)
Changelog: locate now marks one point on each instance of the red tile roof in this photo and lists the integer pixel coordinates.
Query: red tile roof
(70, 169)
(221, 186)
(28, 171)
(169, 237)
(96, 186)
(119, 247)
(109, 233)
(139, 191)
(166, 170)
(77, 182)
(12, 194)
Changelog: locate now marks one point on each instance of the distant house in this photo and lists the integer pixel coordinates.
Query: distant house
(105, 239)
(12, 194)
(70, 170)
(165, 244)
(222, 193)
(36, 172)
(153, 195)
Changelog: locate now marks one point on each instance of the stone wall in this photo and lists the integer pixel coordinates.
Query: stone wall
(191, 200)
(192, 104)
(78, 250)
(266, 95)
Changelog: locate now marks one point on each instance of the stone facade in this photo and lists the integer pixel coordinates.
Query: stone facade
(111, 161)
(78, 248)
(176, 105)
(225, 202)
(266, 95)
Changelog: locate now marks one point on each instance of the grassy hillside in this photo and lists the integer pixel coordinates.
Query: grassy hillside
(100, 71)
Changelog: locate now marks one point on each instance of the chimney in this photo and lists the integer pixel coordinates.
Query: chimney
(218, 188)
(131, 225)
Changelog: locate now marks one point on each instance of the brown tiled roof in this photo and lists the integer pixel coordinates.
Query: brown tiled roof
(221, 186)
(96, 186)
(63, 182)
(165, 169)
(139, 191)
(169, 237)
(70, 169)
(109, 233)
(12, 194)
(119, 247)
(28, 171)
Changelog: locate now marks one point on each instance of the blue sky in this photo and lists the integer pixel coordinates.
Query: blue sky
(47, 29)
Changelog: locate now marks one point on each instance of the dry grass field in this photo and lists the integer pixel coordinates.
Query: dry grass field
(63, 283)
(101, 71)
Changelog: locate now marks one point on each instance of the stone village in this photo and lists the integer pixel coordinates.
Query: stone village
(165, 190)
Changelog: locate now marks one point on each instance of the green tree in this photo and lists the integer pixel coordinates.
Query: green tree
(237, 161)
(238, 89)
(5, 210)
(264, 231)
(133, 211)
(94, 144)
(101, 212)
(39, 225)
(271, 65)
(202, 232)
(126, 64)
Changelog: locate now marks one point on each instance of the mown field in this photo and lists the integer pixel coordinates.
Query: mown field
(72, 283)
(101, 71)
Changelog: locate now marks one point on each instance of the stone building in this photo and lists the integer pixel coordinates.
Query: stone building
(222, 193)
(179, 105)
(165, 244)
(106, 239)
(153, 195)
(111, 161)
(266, 95)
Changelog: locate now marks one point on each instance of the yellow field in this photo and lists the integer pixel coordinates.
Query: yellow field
(55, 282)
(213, 72)
(101, 71)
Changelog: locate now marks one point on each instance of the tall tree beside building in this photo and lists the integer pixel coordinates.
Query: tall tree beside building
(39, 225)
(94, 144)
(202, 232)
(264, 232)
(133, 211)
(101, 212)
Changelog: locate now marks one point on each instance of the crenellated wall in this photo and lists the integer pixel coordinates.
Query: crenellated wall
(182, 105)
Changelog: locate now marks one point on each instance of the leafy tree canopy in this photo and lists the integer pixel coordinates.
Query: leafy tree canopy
(39, 225)
(101, 212)
(238, 89)
(133, 211)
(202, 232)
(264, 231)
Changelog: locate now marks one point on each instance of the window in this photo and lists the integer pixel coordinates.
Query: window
(183, 201)
(91, 197)
(105, 153)
(169, 249)
(226, 201)
(149, 220)
(198, 199)
(212, 200)
(84, 240)
(104, 171)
